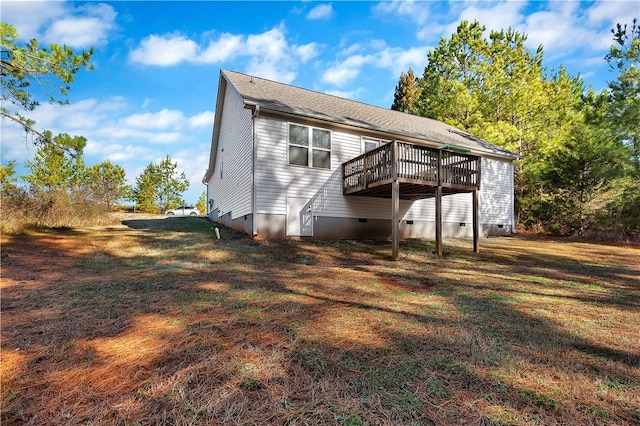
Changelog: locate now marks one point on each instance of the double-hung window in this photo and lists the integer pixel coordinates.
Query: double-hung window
(309, 146)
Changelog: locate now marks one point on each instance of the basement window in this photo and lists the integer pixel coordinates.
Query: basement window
(463, 224)
(409, 222)
(309, 146)
(361, 220)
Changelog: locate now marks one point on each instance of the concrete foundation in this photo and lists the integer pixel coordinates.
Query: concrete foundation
(339, 228)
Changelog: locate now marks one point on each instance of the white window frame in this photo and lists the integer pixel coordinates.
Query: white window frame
(366, 139)
(310, 148)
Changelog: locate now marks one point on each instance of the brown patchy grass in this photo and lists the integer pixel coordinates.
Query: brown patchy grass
(154, 321)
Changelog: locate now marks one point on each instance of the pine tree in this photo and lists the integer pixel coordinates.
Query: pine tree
(407, 93)
(201, 204)
(107, 183)
(624, 57)
(53, 68)
(53, 168)
(159, 187)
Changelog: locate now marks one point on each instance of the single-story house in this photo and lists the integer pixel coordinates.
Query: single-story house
(290, 162)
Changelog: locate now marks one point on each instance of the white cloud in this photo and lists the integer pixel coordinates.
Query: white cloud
(494, 16)
(165, 50)
(165, 138)
(193, 162)
(270, 44)
(417, 12)
(91, 27)
(87, 113)
(270, 71)
(204, 119)
(163, 119)
(268, 54)
(273, 58)
(341, 74)
(610, 13)
(398, 60)
(306, 52)
(116, 152)
(223, 49)
(60, 22)
(393, 59)
(30, 18)
(563, 28)
(16, 145)
(322, 11)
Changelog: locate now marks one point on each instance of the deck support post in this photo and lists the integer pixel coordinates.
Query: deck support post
(439, 220)
(395, 205)
(439, 207)
(476, 233)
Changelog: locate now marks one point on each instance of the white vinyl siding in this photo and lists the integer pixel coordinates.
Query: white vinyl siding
(276, 180)
(496, 197)
(230, 184)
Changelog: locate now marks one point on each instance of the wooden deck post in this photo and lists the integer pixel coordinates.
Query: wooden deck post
(395, 204)
(439, 220)
(439, 207)
(476, 247)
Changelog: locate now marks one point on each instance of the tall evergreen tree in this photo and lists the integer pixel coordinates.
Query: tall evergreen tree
(580, 171)
(624, 57)
(159, 187)
(407, 93)
(496, 88)
(146, 190)
(451, 79)
(53, 168)
(171, 185)
(623, 206)
(106, 182)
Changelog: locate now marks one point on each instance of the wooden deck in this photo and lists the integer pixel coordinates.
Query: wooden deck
(400, 170)
(419, 170)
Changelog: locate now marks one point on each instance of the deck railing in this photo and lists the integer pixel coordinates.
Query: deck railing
(411, 164)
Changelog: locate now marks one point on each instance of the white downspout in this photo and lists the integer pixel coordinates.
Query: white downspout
(254, 207)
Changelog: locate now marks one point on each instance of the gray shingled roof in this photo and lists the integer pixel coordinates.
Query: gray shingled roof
(288, 99)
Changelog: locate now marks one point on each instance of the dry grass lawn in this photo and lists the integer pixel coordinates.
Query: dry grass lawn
(154, 321)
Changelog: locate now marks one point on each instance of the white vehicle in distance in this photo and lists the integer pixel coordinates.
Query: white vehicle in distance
(183, 211)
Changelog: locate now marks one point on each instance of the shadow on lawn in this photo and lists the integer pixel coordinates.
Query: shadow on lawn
(169, 332)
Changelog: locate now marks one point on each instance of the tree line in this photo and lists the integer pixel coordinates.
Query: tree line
(60, 189)
(579, 166)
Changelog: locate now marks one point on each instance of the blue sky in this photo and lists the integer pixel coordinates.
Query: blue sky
(154, 86)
